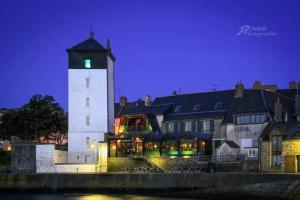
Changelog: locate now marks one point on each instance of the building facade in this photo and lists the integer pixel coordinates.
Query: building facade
(218, 123)
(91, 99)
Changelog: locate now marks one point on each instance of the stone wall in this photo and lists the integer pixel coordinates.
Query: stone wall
(238, 132)
(23, 157)
(290, 150)
(132, 182)
(265, 159)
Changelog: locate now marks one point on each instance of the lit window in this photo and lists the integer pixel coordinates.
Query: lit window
(87, 83)
(87, 102)
(187, 126)
(178, 109)
(87, 63)
(250, 119)
(206, 126)
(87, 120)
(196, 107)
(170, 127)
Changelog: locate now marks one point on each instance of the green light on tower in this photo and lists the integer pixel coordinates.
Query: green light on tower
(87, 63)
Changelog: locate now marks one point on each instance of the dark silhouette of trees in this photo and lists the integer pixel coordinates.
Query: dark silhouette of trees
(40, 117)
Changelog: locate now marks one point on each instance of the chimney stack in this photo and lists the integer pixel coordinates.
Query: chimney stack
(257, 85)
(123, 101)
(297, 106)
(278, 110)
(293, 85)
(174, 93)
(147, 100)
(239, 90)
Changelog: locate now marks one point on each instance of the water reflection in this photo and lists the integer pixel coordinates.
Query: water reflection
(80, 197)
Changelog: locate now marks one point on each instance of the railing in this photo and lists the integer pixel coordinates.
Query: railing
(135, 128)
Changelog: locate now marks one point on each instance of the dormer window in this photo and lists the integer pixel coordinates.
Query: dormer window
(196, 107)
(87, 63)
(218, 105)
(178, 109)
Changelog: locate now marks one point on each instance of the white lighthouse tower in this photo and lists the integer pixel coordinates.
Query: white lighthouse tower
(91, 99)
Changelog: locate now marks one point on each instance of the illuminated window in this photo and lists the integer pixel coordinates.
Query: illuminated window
(87, 83)
(87, 120)
(206, 126)
(187, 126)
(87, 63)
(87, 102)
(250, 119)
(170, 127)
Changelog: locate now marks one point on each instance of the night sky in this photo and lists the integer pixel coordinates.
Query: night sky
(160, 46)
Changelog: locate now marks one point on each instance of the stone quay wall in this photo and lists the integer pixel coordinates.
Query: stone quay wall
(133, 182)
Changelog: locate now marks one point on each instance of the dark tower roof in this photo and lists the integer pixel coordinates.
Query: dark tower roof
(90, 44)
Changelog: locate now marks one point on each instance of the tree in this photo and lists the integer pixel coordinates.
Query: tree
(39, 117)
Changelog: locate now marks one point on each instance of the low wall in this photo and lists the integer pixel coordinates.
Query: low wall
(133, 182)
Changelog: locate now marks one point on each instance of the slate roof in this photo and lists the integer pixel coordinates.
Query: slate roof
(232, 144)
(289, 130)
(138, 107)
(206, 101)
(89, 44)
(210, 105)
(258, 101)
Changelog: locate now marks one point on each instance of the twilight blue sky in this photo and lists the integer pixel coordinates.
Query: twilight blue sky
(160, 45)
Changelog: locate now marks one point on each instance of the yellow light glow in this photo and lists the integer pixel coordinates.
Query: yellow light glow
(9, 148)
(114, 147)
(155, 146)
(118, 141)
(93, 146)
(203, 143)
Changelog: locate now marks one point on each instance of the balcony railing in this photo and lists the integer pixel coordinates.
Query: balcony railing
(136, 129)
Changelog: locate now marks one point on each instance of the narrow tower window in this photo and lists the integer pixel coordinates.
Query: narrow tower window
(87, 120)
(87, 83)
(87, 63)
(87, 102)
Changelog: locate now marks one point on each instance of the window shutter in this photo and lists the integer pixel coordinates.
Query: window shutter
(164, 127)
(181, 127)
(176, 127)
(212, 126)
(199, 126)
(194, 126)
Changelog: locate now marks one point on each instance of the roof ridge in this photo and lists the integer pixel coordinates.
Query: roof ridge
(197, 93)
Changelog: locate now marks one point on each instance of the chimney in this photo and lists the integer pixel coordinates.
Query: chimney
(257, 85)
(297, 107)
(123, 101)
(293, 85)
(174, 93)
(239, 90)
(147, 100)
(278, 110)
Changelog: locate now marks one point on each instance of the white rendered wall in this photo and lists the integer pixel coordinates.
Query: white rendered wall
(78, 149)
(111, 95)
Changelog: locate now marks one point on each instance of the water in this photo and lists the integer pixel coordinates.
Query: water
(78, 197)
